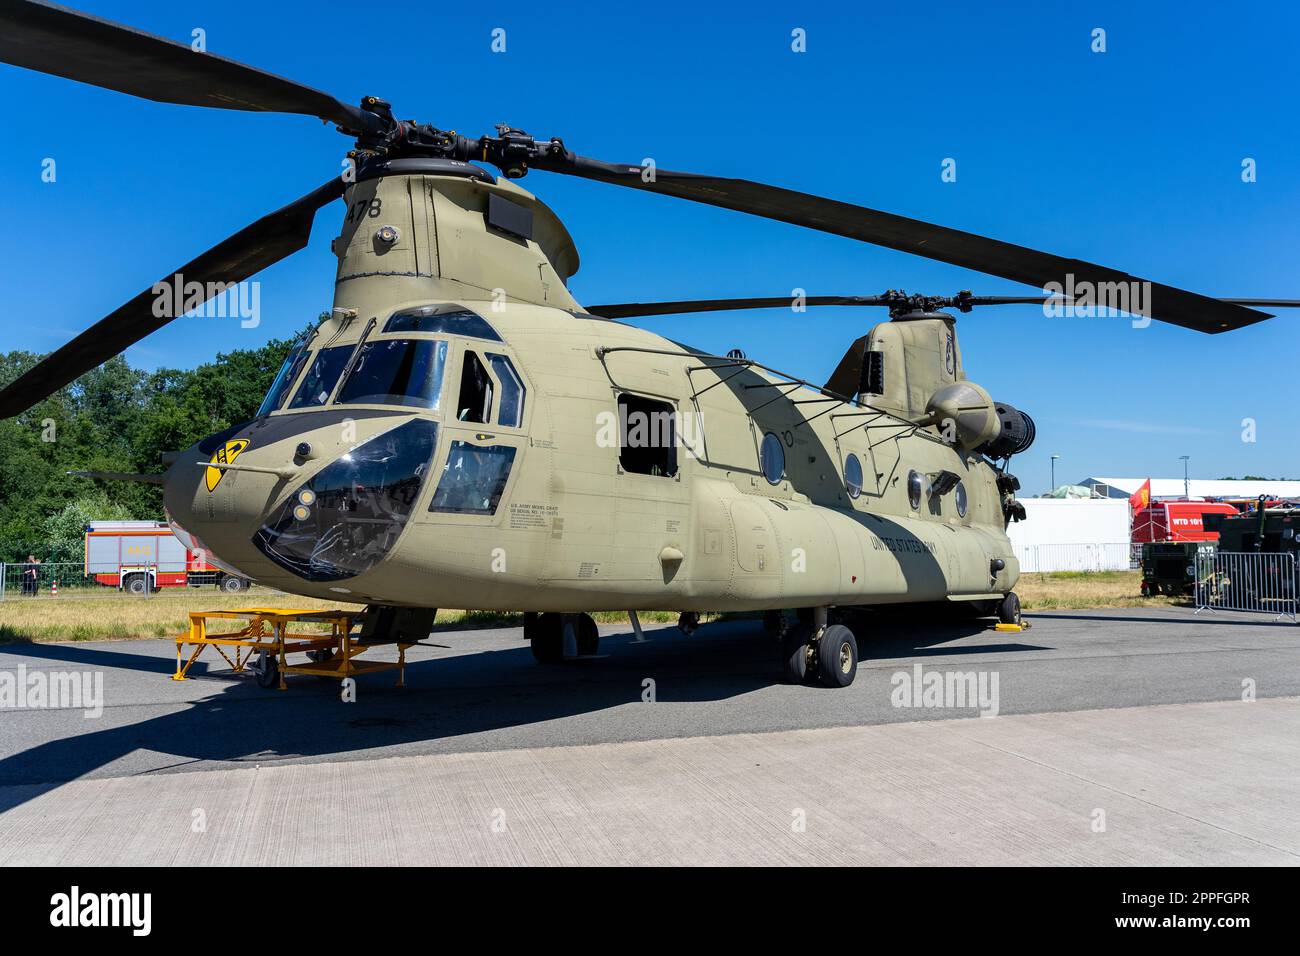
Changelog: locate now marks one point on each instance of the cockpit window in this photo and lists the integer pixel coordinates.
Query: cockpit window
(284, 379)
(473, 479)
(475, 401)
(396, 372)
(321, 377)
(448, 319)
(512, 392)
(347, 517)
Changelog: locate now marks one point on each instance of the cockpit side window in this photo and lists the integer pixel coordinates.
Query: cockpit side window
(475, 401)
(285, 378)
(321, 378)
(511, 413)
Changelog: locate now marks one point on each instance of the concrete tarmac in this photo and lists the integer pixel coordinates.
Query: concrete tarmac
(1120, 737)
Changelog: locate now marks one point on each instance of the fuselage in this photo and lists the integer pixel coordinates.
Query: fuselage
(461, 434)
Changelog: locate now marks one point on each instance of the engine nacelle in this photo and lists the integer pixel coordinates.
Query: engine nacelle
(969, 417)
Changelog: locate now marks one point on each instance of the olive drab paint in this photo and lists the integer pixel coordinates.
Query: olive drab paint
(572, 528)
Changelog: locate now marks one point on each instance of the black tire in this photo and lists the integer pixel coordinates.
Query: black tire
(794, 653)
(588, 635)
(233, 585)
(268, 671)
(321, 655)
(1009, 609)
(547, 638)
(137, 584)
(837, 656)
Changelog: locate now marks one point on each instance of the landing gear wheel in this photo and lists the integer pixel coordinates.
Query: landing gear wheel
(688, 622)
(775, 624)
(1009, 609)
(588, 635)
(267, 670)
(794, 653)
(837, 656)
(546, 635)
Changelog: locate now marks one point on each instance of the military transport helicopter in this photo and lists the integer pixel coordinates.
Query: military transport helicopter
(461, 432)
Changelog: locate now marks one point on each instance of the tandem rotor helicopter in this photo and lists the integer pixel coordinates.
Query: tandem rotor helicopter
(436, 441)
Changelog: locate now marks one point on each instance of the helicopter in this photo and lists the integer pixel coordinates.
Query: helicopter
(459, 431)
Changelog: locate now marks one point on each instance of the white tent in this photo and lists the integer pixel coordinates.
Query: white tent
(1199, 488)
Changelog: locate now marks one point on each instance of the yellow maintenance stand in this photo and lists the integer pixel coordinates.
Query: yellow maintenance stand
(265, 641)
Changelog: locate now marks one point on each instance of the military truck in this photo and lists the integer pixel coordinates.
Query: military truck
(1169, 567)
(1265, 532)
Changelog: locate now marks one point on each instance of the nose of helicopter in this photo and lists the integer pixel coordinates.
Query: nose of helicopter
(308, 497)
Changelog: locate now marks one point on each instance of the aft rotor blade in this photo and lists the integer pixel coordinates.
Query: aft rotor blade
(992, 256)
(272, 238)
(51, 39)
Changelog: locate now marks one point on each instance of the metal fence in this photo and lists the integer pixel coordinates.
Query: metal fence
(1074, 557)
(50, 580)
(1247, 581)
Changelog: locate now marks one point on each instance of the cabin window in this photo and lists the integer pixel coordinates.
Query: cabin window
(445, 319)
(853, 475)
(511, 414)
(396, 372)
(771, 457)
(647, 431)
(960, 497)
(475, 401)
(322, 376)
(915, 488)
(473, 479)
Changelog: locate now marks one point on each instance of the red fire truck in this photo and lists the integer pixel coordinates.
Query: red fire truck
(145, 556)
(1177, 521)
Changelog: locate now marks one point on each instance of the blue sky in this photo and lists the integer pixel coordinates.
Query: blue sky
(1130, 158)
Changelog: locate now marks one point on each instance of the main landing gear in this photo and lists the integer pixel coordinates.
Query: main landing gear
(826, 652)
(556, 637)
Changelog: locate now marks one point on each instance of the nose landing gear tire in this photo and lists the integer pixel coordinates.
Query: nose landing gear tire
(545, 634)
(837, 656)
(588, 635)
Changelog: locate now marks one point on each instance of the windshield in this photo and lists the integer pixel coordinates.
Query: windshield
(396, 372)
(286, 376)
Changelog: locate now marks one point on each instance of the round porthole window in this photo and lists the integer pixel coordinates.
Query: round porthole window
(960, 496)
(853, 475)
(772, 459)
(915, 486)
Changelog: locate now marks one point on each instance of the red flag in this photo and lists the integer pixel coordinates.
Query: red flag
(1140, 498)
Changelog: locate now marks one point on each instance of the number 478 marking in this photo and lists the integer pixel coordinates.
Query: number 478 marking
(365, 207)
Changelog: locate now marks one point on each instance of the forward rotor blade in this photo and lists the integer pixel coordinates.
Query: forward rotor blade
(272, 238)
(51, 39)
(992, 256)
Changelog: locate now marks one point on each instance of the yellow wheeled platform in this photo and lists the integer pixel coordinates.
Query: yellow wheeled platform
(267, 631)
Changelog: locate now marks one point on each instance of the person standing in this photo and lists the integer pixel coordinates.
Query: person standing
(31, 576)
